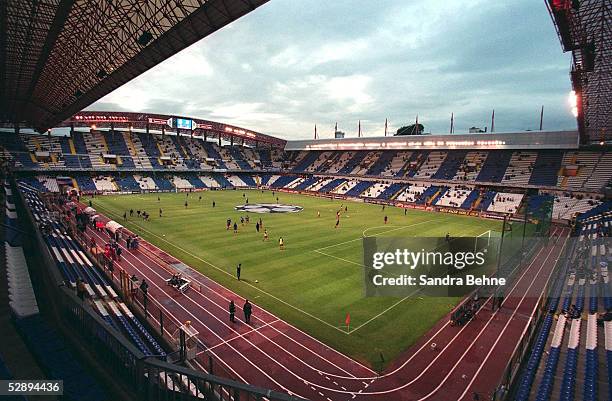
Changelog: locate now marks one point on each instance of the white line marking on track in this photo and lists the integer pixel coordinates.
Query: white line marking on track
(231, 275)
(352, 361)
(238, 336)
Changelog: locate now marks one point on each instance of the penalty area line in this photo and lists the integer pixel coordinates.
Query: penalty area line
(364, 231)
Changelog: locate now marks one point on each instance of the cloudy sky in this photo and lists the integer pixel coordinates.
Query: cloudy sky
(292, 64)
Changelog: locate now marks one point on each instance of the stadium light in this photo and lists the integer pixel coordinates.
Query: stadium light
(573, 101)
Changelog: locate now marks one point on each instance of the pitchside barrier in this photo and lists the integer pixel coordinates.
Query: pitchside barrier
(163, 323)
(142, 377)
(507, 386)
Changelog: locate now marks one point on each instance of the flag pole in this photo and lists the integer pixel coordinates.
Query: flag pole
(359, 130)
(493, 121)
(385, 127)
(541, 117)
(452, 127)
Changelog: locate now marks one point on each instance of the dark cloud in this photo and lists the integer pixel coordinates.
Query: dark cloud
(293, 63)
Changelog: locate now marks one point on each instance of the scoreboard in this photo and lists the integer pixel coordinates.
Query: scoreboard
(184, 123)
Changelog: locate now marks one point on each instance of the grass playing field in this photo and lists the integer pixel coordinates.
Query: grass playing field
(318, 278)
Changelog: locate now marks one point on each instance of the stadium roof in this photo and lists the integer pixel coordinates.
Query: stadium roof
(59, 56)
(585, 28)
(160, 122)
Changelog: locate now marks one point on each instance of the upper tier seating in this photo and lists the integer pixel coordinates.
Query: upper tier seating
(449, 167)
(520, 168)
(495, 166)
(470, 167)
(431, 165)
(546, 169)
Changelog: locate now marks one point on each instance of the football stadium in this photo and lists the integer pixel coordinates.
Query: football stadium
(179, 256)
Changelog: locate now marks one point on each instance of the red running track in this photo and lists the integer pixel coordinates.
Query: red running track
(273, 354)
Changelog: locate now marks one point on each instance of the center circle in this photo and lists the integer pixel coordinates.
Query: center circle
(268, 208)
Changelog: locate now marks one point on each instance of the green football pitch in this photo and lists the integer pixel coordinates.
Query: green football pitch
(318, 278)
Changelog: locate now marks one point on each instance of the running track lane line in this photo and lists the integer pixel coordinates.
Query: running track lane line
(500, 335)
(481, 332)
(229, 274)
(333, 389)
(266, 354)
(315, 369)
(223, 311)
(212, 331)
(197, 305)
(475, 376)
(351, 360)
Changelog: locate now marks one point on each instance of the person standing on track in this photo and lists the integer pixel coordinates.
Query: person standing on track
(232, 310)
(144, 287)
(247, 308)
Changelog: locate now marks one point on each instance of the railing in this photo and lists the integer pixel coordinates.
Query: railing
(513, 367)
(162, 322)
(147, 378)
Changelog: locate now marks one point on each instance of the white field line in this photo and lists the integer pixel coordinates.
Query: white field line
(390, 307)
(231, 275)
(295, 328)
(364, 231)
(339, 258)
(383, 312)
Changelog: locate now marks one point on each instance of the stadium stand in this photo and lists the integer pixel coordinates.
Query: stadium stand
(46, 344)
(581, 174)
(574, 344)
(494, 167)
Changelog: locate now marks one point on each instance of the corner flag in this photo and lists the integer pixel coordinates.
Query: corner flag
(347, 321)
